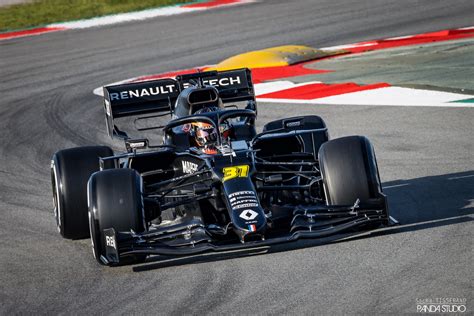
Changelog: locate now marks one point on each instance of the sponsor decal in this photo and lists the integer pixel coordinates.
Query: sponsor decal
(218, 82)
(110, 242)
(244, 199)
(248, 214)
(189, 167)
(235, 172)
(138, 145)
(293, 124)
(245, 205)
(237, 201)
(238, 193)
(140, 93)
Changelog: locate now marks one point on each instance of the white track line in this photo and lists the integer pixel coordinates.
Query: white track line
(139, 15)
(123, 17)
(395, 186)
(400, 97)
(274, 86)
(342, 47)
(461, 177)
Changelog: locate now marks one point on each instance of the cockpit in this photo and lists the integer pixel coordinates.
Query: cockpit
(202, 111)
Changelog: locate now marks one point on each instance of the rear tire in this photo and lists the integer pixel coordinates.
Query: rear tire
(115, 201)
(70, 171)
(349, 170)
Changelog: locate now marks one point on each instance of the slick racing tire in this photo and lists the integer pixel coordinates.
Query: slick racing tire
(349, 170)
(70, 171)
(115, 201)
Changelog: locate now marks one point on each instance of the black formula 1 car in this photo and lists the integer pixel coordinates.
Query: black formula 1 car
(214, 183)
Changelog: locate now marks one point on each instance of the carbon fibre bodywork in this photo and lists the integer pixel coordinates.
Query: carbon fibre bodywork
(255, 189)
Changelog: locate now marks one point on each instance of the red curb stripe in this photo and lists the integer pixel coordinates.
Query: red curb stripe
(211, 4)
(271, 73)
(440, 36)
(320, 90)
(36, 31)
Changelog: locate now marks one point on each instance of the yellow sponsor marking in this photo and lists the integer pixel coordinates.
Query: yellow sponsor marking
(235, 172)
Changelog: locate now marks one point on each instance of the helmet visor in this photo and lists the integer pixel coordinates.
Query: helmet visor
(206, 135)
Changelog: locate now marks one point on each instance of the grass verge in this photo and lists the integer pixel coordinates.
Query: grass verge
(42, 12)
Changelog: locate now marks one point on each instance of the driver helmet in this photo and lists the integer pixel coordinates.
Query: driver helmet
(224, 128)
(205, 135)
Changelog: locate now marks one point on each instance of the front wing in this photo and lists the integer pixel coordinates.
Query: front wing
(321, 222)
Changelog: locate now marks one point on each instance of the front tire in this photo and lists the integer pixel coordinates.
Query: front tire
(115, 201)
(350, 172)
(70, 171)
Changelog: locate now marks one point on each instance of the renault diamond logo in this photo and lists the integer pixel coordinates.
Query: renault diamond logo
(248, 215)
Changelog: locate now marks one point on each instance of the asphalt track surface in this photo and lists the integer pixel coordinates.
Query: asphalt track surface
(425, 157)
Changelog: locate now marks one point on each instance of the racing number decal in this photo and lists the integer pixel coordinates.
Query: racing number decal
(235, 172)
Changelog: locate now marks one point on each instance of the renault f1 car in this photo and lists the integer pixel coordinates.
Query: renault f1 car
(214, 183)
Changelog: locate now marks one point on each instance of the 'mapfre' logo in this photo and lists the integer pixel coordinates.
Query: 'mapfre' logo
(189, 167)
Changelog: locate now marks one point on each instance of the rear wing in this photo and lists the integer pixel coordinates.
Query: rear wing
(159, 96)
